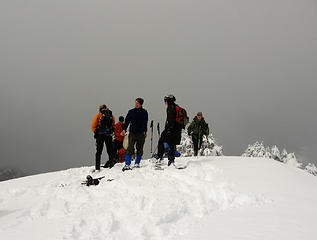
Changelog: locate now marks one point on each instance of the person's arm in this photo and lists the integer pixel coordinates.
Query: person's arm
(94, 124)
(171, 118)
(207, 130)
(127, 121)
(146, 121)
(190, 128)
(113, 121)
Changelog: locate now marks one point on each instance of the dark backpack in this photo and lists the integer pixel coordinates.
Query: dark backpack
(105, 121)
(181, 116)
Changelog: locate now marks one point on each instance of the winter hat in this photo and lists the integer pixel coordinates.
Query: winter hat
(121, 119)
(140, 100)
(169, 98)
(200, 114)
(102, 106)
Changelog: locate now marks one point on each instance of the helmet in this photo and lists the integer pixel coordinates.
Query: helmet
(102, 106)
(169, 98)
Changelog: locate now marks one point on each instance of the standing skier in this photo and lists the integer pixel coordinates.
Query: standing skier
(118, 140)
(197, 129)
(103, 126)
(172, 132)
(137, 118)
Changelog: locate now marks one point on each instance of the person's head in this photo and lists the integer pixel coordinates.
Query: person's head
(169, 99)
(139, 102)
(199, 115)
(102, 108)
(121, 119)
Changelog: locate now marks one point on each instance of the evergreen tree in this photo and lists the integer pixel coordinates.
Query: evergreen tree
(276, 155)
(208, 148)
(311, 168)
(290, 159)
(259, 150)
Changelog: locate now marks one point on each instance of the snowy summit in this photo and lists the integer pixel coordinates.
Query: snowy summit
(213, 198)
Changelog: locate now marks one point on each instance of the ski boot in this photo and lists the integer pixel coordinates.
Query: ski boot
(126, 167)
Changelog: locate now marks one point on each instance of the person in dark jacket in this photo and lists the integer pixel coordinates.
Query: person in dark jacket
(197, 129)
(103, 127)
(172, 133)
(137, 118)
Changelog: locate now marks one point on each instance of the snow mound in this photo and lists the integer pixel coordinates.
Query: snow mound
(139, 204)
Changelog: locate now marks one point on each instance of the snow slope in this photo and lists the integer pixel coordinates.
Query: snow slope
(213, 198)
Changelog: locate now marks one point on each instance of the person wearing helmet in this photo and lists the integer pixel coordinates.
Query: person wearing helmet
(197, 129)
(137, 118)
(172, 131)
(103, 127)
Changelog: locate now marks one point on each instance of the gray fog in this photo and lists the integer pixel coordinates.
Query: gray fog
(250, 66)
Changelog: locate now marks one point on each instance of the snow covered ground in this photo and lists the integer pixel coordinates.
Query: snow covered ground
(213, 198)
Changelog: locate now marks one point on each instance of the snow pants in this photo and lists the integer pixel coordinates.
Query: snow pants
(102, 139)
(197, 141)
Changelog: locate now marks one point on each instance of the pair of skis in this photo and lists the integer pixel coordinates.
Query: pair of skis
(159, 165)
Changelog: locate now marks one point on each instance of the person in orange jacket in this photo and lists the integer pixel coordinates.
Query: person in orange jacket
(118, 140)
(103, 128)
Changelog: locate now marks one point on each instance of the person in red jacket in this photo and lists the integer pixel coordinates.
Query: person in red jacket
(118, 140)
(103, 127)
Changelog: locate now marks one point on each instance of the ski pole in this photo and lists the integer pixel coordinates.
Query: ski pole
(151, 126)
(158, 129)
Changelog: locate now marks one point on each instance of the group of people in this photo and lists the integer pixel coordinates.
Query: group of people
(104, 128)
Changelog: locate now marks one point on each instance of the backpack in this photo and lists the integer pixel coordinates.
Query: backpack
(181, 116)
(105, 121)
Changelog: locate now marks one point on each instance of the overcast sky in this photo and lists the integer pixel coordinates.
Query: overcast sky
(249, 65)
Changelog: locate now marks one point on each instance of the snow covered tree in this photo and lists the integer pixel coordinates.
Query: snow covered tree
(259, 150)
(311, 168)
(290, 159)
(268, 153)
(255, 150)
(276, 155)
(208, 148)
(284, 154)
(186, 146)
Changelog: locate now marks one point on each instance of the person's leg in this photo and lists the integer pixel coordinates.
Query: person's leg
(130, 150)
(195, 143)
(121, 153)
(110, 151)
(171, 154)
(200, 143)
(99, 148)
(140, 140)
(115, 150)
(160, 145)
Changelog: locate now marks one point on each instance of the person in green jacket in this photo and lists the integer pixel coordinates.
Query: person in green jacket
(197, 129)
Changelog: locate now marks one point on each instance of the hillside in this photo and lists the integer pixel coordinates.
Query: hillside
(213, 198)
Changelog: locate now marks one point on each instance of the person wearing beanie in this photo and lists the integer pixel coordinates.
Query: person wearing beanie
(197, 129)
(137, 119)
(103, 127)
